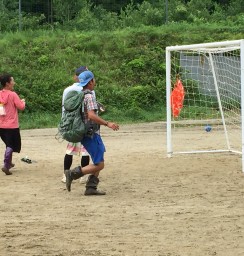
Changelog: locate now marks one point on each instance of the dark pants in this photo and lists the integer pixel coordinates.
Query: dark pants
(11, 138)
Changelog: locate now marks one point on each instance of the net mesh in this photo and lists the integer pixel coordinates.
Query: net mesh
(211, 78)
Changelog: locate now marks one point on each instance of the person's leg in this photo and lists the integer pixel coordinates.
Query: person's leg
(84, 161)
(79, 172)
(71, 149)
(7, 160)
(91, 187)
(94, 170)
(96, 149)
(12, 140)
(11, 162)
(68, 159)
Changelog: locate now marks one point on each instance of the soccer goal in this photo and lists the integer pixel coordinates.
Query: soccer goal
(205, 98)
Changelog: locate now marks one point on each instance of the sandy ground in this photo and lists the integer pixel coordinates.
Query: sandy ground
(188, 205)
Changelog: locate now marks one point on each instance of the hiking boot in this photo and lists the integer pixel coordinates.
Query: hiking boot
(91, 187)
(6, 171)
(68, 180)
(71, 175)
(94, 192)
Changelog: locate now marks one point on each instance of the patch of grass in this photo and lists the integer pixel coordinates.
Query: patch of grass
(38, 120)
(121, 116)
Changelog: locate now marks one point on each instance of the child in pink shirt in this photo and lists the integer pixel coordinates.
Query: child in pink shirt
(10, 103)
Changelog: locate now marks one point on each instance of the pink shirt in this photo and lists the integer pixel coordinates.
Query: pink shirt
(12, 103)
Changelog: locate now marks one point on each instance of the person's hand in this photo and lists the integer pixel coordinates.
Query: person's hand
(101, 107)
(23, 100)
(113, 126)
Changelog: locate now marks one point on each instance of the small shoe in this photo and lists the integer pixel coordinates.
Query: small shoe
(94, 192)
(6, 171)
(26, 160)
(64, 178)
(69, 179)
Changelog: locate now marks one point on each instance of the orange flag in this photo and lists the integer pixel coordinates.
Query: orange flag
(177, 98)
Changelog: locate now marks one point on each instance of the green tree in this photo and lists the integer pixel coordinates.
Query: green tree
(66, 10)
(115, 5)
(199, 9)
(235, 7)
(8, 13)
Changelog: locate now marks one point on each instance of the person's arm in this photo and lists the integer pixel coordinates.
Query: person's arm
(92, 116)
(19, 103)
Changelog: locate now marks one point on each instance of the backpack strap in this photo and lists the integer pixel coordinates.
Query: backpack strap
(91, 127)
(83, 104)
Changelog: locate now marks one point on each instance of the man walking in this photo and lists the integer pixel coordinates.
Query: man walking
(92, 141)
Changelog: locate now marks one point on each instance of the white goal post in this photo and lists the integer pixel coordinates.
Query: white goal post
(211, 111)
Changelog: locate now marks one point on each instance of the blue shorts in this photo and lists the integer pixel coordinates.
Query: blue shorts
(94, 147)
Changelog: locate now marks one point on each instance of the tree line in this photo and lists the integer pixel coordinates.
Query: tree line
(113, 14)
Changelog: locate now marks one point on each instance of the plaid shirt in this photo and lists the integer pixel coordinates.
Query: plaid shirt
(90, 103)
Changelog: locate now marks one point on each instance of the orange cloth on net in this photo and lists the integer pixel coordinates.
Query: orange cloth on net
(177, 98)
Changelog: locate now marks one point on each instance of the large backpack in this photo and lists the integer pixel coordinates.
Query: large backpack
(72, 127)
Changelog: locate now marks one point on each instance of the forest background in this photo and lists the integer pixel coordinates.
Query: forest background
(122, 42)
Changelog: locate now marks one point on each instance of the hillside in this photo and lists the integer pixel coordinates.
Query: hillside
(129, 65)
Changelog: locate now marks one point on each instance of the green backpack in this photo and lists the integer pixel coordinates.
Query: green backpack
(72, 127)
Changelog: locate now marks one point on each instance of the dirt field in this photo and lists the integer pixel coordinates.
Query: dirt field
(188, 205)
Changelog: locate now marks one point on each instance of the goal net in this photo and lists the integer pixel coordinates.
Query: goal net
(208, 117)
